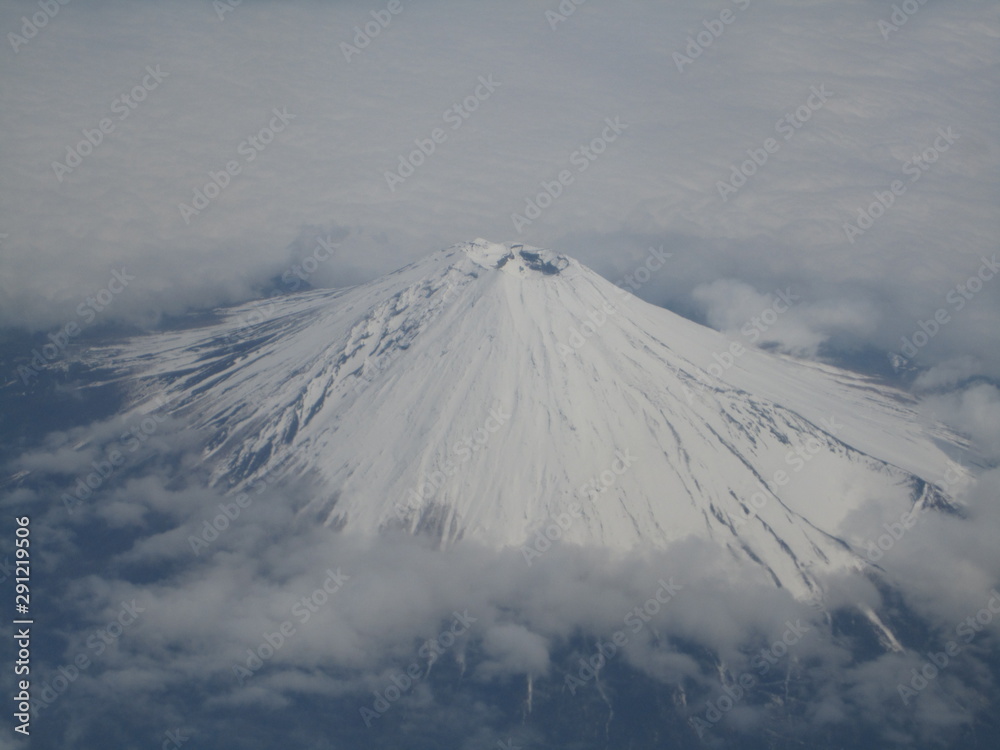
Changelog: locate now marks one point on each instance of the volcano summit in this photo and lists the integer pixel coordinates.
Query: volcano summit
(488, 389)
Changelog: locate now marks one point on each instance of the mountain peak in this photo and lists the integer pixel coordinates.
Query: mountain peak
(487, 410)
(515, 257)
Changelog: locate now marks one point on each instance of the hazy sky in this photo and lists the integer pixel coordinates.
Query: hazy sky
(685, 122)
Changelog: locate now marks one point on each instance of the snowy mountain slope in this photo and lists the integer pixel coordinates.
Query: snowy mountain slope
(487, 389)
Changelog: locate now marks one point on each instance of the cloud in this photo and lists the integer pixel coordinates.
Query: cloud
(275, 611)
(775, 319)
(949, 374)
(974, 411)
(353, 121)
(513, 649)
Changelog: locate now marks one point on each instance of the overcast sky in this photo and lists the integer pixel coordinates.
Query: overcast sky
(638, 115)
(887, 94)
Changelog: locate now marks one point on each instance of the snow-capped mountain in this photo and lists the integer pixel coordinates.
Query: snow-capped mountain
(490, 391)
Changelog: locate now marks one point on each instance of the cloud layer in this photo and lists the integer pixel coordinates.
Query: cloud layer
(202, 610)
(690, 128)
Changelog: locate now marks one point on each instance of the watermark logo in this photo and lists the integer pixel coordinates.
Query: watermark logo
(635, 621)
(38, 21)
(402, 682)
(714, 28)
(900, 15)
(122, 106)
(562, 13)
(581, 158)
(249, 149)
(958, 297)
(455, 116)
(87, 310)
(785, 127)
(303, 610)
(886, 199)
(364, 36)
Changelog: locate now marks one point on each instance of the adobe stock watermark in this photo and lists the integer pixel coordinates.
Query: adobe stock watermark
(173, 739)
(212, 529)
(901, 14)
(954, 477)
(551, 532)
(760, 324)
(937, 661)
(915, 168)
(87, 311)
(380, 363)
(741, 686)
(957, 298)
(796, 460)
(364, 36)
(656, 259)
(222, 7)
(608, 478)
(561, 14)
(293, 277)
(403, 681)
(455, 116)
(298, 274)
(597, 317)
(116, 457)
(250, 148)
(558, 525)
(581, 158)
(30, 27)
(578, 337)
(99, 641)
(781, 302)
(894, 531)
(636, 619)
(875, 549)
(122, 105)
(786, 128)
(461, 451)
(714, 28)
(302, 611)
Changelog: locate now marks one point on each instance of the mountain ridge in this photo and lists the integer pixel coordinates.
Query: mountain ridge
(366, 393)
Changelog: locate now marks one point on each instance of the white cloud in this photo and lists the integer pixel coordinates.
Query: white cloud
(974, 411)
(948, 374)
(782, 318)
(203, 612)
(353, 121)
